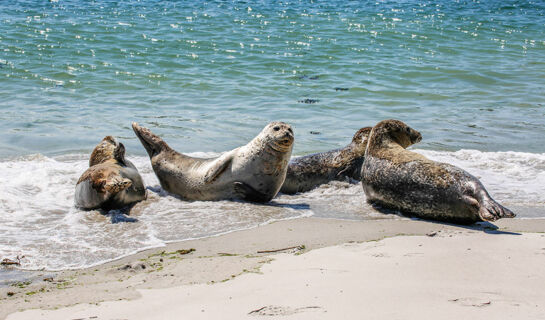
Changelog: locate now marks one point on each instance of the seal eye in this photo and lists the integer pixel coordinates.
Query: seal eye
(276, 128)
(408, 130)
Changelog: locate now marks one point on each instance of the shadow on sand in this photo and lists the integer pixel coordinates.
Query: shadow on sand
(483, 226)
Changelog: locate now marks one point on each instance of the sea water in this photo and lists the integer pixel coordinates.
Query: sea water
(208, 76)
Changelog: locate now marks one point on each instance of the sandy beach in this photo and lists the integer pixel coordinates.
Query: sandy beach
(206, 77)
(397, 269)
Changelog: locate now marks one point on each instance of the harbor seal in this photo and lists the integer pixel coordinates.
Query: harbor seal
(398, 179)
(308, 172)
(111, 182)
(254, 172)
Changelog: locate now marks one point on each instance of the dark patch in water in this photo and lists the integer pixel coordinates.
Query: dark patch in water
(341, 89)
(315, 132)
(309, 101)
(305, 77)
(120, 217)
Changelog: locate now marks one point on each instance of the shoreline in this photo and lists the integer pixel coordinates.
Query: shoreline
(224, 257)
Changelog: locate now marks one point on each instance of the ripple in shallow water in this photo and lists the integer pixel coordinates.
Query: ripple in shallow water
(75, 71)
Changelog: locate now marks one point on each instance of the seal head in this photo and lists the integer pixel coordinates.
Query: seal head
(107, 149)
(308, 172)
(393, 131)
(278, 136)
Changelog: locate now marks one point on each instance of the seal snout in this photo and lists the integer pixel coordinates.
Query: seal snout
(111, 140)
(287, 138)
(415, 136)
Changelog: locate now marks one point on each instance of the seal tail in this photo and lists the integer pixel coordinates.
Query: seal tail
(490, 210)
(151, 142)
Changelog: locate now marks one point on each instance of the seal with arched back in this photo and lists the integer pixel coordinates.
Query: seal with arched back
(253, 172)
(308, 172)
(398, 179)
(111, 182)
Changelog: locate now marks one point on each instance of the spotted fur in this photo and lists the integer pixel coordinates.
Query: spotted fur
(396, 178)
(253, 172)
(111, 182)
(308, 172)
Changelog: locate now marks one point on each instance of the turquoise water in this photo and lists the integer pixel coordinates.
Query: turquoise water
(208, 76)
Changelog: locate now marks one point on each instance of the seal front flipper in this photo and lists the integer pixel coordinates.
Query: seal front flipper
(248, 193)
(116, 184)
(348, 169)
(151, 142)
(217, 168)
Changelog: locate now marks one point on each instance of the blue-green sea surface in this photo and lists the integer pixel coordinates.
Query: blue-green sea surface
(207, 76)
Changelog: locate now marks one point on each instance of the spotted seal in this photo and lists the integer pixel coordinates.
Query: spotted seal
(398, 179)
(111, 182)
(308, 172)
(253, 172)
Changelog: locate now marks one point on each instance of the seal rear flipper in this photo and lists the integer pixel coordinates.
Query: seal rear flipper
(248, 193)
(151, 142)
(490, 210)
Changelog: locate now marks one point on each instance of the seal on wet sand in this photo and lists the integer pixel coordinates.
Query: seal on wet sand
(308, 172)
(253, 172)
(398, 179)
(111, 182)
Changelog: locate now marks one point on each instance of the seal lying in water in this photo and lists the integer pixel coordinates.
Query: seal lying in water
(399, 179)
(308, 172)
(254, 172)
(111, 182)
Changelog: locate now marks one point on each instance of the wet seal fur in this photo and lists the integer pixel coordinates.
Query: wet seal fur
(111, 182)
(308, 172)
(254, 172)
(398, 179)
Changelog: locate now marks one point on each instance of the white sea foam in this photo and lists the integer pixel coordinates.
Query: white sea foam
(513, 178)
(38, 219)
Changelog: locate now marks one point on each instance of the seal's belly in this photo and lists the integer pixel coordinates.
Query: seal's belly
(192, 187)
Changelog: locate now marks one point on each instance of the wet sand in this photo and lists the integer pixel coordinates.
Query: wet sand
(396, 269)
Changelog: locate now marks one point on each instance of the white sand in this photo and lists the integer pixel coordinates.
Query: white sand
(457, 274)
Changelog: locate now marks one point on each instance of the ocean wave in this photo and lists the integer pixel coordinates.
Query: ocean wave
(38, 219)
